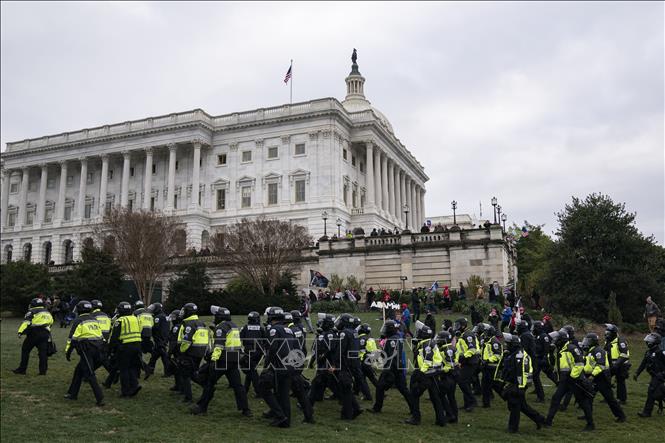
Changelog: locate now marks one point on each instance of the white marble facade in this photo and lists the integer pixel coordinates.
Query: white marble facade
(290, 162)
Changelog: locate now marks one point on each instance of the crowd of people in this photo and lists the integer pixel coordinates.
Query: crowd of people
(478, 359)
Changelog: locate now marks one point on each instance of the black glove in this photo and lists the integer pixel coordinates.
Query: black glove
(68, 356)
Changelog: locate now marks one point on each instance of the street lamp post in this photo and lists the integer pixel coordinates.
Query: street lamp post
(324, 216)
(498, 211)
(339, 224)
(454, 203)
(494, 201)
(504, 217)
(405, 208)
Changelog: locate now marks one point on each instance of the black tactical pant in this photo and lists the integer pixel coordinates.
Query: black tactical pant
(187, 366)
(275, 386)
(488, 384)
(159, 353)
(36, 338)
(251, 374)
(621, 374)
(350, 407)
(322, 380)
(603, 386)
(129, 364)
(421, 383)
(568, 385)
(300, 392)
(466, 375)
(655, 392)
(91, 359)
(537, 383)
(360, 382)
(516, 400)
(388, 379)
(447, 387)
(233, 376)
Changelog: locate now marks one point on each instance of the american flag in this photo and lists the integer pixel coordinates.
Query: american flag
(287, 77)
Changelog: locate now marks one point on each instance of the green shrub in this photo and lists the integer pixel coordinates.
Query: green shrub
(630, 328)
(462, 307)
(20, 282)
(613, 312)
(472, 286)
(339, 306)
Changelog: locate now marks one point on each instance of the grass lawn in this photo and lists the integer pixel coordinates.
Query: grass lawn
(33, 409)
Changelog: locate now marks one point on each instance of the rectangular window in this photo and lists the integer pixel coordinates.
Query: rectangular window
(154, 168)
(176, 165)
(221, 199)
(272, 193)
(131, 172)
(221, 159)
(50, 183)
(246, 156)
(70, 180)
(11, 220)
(130, 205)
(354, 198)
(273, 152)
(13, 188)
(362, 199)
(300, 149)
(362, 167)
(346, 193)
(32, 186)
(29, 218)
(109, 205)
(300, 191)
(353, 160)
(110, 174)
(90, 178)
(246, 196)
(87, 210)
(175, 201)
(68, 213)
(152, 203)
(344, 154)
(200, 197)
(48, 215)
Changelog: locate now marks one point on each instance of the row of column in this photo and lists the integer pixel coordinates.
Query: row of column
(392, 191)
(124, 192)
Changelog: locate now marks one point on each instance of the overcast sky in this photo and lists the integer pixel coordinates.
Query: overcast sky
(531, 102)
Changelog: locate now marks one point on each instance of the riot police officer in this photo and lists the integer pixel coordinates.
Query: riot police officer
(298, 382)
(468, 356)
(542, 360)
(146, 324)
(323, 357)
(393, 371)
(429, 363)
(86, 337)
(619, 359)
(224, 361)
(367, 351)
(253, 336)
(597, 368)
(492, 354)
(175, 318)
(447, 380)
(36, 326)
(101, 317)
(160, 337)
(125, 343)
(192, 347)
(654, 363)
(516, 374)
(343, 366)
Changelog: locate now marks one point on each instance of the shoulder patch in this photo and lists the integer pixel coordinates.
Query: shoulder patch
(272, 332)
(218, 333)
(599, 355)
(156, 319)
(342, 335)
(188, 329)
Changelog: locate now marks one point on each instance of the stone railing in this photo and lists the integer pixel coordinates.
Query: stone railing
(357, 211)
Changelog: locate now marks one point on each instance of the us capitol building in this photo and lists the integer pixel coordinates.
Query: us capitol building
(290, 162)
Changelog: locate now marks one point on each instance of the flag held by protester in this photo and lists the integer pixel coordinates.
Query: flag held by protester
(317, 279)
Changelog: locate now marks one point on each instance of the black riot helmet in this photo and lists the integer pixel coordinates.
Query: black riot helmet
(174, 316)
(36, 303)
(288, 318)
(124, 308)
(590, 341)
(364, 329)
(537, 327)
(562, 336)
(83, 307)
(512, 341)
(653, 340)
(660, 326)
(389, 328)
(155, 308)
(356, 322)
(443, 338)
(344, 321)
(138, 304)
(189, 309)
(220, 314)
(460, 326)
(522, 326)
(611, 331)
(325, 321)
(479, 329)
(490, 331)
(423, 332)
(96, 304)
(570, 331)
(274, 313)
(297, 316)
(254, 318)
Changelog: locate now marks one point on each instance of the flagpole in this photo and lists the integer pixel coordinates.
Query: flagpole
(291, 91)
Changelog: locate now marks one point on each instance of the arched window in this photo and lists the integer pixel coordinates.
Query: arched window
(68, 246)
(27, 252)
(180, 239)
(88, 243)
(47, 252)
(205, 240)
(8, 253)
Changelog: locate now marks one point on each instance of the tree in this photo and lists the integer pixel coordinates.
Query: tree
(190, 285)
(599, 250)
(97, 276)
(20, 282)
(143, 244)
(261, 250)
(613, 312)
(532, 256)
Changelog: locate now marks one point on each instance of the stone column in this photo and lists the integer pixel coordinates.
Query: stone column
(384, 183)
(103, 183)
(23, 199)
(402, 197)
(391, 190)
(398, 197)
(423, 213)
(6, 176)
(394, 189)
(60, 204)
(171, 181)
(369, 146)
(377, 180)
(147, 180)
(83, 181)
(41, 204)
(196, 169)
(414, 212)
(124, 191)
